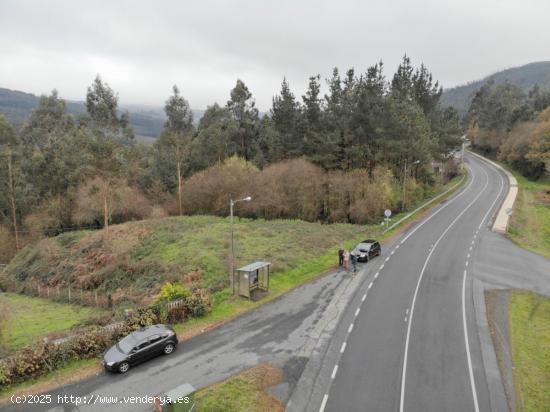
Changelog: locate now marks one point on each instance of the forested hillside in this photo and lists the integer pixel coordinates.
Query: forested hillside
(513, 126)
(18, 106)
(341, 157)
(525, 77)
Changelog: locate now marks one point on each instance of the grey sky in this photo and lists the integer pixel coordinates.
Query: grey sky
(141, 48)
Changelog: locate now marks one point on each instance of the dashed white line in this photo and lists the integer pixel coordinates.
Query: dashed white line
(324, 403)
(343, 348)
(466, 263)
(470, 248)
(387, 259)
(392, 252)
(397, 247)
(364, 297)
(350, 328)
(357, 311)
(468, 256)
(334, 371)
(376, 275)
(405, 319)
(370, 285)
(381, 266)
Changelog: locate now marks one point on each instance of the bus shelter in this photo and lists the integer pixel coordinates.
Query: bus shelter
(253, 278)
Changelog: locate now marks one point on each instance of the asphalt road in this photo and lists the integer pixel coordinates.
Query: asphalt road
(409, 341)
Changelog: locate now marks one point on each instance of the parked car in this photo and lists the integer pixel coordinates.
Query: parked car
(366, 250)
(139, 346)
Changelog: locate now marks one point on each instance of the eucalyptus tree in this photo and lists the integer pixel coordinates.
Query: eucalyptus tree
(174, 143)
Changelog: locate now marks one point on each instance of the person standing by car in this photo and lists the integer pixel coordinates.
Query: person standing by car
(346, 259)
(354, 262)
(340, 257)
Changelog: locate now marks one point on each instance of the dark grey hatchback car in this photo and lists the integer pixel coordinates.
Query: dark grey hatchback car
(366, 250)
(139, 346)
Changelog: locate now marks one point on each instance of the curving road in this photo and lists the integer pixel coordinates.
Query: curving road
(409, 340)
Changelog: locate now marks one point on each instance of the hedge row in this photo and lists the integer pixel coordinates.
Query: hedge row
(43, 357)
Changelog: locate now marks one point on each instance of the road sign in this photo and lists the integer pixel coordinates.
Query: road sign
(387, 212)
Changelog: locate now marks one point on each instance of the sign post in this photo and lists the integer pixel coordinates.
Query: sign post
(387, 214)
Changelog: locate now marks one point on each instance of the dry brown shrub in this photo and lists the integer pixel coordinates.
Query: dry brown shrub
(209, 191)
(288, 189)
(7, 245)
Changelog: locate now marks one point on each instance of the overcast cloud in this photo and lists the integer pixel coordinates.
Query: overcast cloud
(142, 48)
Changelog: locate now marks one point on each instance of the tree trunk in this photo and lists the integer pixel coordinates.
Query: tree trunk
(105, 212)
(180, 184)
(12, 201)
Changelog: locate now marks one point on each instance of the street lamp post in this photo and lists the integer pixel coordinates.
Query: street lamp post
(232, 262)
(405, 181)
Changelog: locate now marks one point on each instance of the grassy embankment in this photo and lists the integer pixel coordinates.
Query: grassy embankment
(530, 342)
(530, 223)
(300, 252)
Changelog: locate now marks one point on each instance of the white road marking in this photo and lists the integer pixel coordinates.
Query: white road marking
(376, 275)
(381, 266)
(392, 252)
(343, 348)
(350, 328)
(405, 319)
(324, 403)
(364, 297)
(470, 369)
(407, 311)
(470, 248)
(370, 285)
(466, 263)
(407, 339)
(397, 247)
(334, 371)
(387, 259)
(468, 256)
(357, 311)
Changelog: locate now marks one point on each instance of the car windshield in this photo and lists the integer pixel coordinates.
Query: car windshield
(364, 246)
(127, 344)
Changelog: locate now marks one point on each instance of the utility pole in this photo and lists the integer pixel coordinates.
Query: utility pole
(232, 259)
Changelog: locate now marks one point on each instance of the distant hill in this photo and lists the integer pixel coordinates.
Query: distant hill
(147, 121)
(525, 77)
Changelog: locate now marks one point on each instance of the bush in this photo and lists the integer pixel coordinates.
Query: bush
(173, 291)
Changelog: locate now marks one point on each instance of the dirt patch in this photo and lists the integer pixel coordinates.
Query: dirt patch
(498, 303)
(543, 197)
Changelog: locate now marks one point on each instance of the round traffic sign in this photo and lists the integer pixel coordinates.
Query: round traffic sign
(387, 212)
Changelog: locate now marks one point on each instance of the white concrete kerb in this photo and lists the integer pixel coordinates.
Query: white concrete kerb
(501, 221)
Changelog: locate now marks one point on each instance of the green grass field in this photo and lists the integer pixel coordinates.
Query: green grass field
(530, 223)
(29, 318)
(530, 336)
(246, 391)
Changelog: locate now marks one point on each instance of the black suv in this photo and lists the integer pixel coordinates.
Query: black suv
(366, 250)
(139, 346)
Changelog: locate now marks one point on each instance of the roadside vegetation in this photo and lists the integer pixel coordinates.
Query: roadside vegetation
(530, 335)
(530, 222)
(247, 391)
(341, 157)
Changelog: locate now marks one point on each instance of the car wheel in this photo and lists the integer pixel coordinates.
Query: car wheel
(123, 367)
(168, 349)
